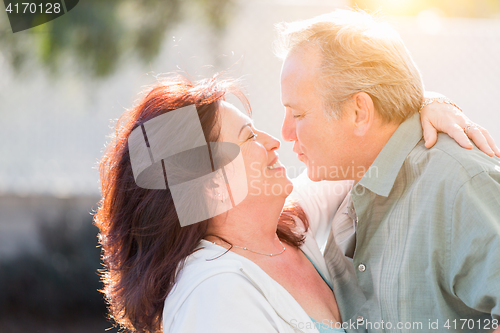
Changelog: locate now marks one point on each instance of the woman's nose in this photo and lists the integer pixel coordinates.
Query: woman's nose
(275, 143)
(269, 141)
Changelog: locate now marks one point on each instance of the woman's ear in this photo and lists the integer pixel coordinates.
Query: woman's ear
(364, 113)
(216, 188)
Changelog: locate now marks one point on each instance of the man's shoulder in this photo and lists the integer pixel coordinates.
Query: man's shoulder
(450, 162)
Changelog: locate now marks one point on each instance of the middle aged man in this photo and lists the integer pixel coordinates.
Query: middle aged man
(425, 254)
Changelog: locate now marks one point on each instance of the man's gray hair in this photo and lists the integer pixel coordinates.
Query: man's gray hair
(359, 54)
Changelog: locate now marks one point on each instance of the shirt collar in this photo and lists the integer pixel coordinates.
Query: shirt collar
(382, 174)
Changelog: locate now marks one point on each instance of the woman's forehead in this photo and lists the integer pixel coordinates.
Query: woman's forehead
(232, 121)
(234, 115)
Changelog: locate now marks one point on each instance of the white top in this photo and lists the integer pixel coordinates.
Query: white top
(233, 294)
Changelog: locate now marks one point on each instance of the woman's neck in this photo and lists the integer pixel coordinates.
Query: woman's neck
(251, 224)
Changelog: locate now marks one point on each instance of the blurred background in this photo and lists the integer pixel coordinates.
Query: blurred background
(64, 83)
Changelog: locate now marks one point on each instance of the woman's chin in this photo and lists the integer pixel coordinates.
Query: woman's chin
(288, 187)
(285, 188)
(271, 187)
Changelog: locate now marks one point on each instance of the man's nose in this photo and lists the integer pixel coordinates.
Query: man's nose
(288, 127)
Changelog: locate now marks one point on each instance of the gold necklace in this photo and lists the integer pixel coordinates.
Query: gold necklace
(257, 252)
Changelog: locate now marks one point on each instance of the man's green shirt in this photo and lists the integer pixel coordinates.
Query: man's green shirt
(427, 255)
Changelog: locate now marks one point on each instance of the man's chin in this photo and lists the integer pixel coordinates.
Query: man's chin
(313, 175)
(317, 174)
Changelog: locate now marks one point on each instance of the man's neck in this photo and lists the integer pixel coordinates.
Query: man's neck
(371, 145)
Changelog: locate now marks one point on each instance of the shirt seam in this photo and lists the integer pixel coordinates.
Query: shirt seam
(450, 226)
(461, 164)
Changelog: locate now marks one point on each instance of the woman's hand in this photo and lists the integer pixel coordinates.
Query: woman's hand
(446, 118)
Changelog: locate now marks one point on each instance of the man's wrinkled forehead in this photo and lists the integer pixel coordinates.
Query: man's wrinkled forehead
(298, 74)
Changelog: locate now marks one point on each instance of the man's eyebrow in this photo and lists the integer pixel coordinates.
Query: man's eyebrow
(241, 130)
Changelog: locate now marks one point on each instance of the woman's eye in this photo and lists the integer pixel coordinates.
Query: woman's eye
(252, 136)
(297, 115)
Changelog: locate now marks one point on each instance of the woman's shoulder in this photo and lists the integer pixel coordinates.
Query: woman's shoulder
(220, 291)
(208, 261)
(224, 302)
(209, 267)
(213, 288)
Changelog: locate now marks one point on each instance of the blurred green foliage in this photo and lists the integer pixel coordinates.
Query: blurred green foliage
(96, 34)
(450, 8)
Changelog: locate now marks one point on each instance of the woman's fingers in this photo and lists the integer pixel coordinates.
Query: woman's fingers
(490, 141)
(458, 134)
(480, 140)
(430, 133)
(447, 119)
(438, 117)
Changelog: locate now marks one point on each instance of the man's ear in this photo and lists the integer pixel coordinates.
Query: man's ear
(364, 115)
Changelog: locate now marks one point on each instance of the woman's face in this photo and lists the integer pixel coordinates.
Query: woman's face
(265, 174)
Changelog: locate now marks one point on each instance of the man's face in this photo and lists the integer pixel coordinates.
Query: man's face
(320, 142)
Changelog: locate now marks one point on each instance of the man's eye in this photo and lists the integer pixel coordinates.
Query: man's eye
(297, 115)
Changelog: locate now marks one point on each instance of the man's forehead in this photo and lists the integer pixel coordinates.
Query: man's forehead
(298, 75)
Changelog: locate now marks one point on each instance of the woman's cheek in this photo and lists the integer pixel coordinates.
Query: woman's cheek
(253, 164)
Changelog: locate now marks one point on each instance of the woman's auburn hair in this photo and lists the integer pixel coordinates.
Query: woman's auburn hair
(143, 243)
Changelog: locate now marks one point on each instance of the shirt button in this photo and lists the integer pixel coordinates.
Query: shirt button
(360, 319)
(362, 267)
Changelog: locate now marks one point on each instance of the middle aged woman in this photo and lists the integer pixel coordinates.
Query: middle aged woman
(246, 270)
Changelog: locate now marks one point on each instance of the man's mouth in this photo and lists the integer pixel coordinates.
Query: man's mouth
(296, 151)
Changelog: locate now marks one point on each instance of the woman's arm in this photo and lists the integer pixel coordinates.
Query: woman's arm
(447, 118)
(320, 201)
